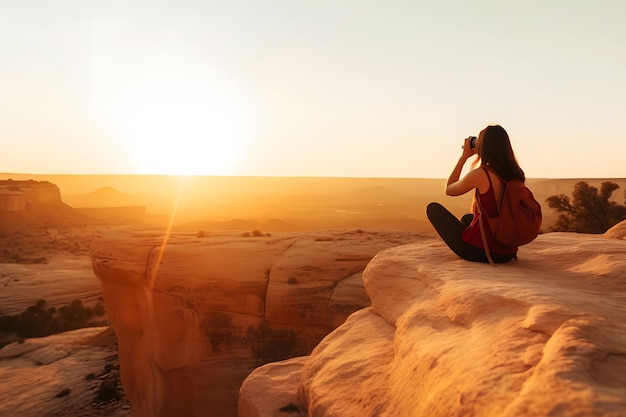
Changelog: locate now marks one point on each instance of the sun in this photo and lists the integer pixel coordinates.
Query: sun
(182, 128)
(179, 122)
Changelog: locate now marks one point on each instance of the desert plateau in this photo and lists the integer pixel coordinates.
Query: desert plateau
(296, 296)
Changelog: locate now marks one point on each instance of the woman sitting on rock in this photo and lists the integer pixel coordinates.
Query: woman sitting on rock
(497, 165)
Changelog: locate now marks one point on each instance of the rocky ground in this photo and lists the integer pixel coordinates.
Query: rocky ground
(73, 374)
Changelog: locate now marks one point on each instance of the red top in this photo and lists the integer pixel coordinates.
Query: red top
(471, 234)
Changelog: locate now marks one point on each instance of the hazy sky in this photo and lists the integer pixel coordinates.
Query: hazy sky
(309, 88)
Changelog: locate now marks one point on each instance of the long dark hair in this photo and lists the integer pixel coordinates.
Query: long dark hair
(493, 149)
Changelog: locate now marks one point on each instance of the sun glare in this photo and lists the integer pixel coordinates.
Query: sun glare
(180, 122)
(184, 130)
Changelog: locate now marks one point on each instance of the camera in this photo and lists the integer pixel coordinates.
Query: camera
(473, 142)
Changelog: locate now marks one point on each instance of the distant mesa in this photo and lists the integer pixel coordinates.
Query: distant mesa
(240, 224)
(108, 204)
(28, 204)
(107, 192)
(102, 197)
(12, 199)
(19, 195)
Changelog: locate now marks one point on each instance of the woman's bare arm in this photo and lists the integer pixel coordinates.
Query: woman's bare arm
(456, 186)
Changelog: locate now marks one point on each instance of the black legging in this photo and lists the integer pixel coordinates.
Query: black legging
(450, 229)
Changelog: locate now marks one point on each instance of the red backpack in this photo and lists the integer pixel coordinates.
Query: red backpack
(519, 217)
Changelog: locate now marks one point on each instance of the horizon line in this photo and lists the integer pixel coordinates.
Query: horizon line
(3, 174)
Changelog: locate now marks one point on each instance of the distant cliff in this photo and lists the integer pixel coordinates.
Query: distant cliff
(12, 199)
(31, 203)
(541, 336)
(36, 224)
(21, 195)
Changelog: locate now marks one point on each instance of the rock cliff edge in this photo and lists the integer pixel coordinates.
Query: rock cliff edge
(196, 315)
(541, 336)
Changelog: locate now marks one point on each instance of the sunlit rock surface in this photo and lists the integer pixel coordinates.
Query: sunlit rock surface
(541, 336)
(194, 317)
(66, 374)
(20, 195)
(618, 231)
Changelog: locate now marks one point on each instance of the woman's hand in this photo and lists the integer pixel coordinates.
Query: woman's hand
(454, 186)
(467, 148)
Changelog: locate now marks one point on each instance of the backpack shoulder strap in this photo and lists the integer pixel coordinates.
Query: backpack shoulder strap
(489, 176)
(483, 236)
(481, 219)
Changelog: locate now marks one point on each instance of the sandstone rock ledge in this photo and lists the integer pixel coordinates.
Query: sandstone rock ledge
(542, 336)
(195, 316)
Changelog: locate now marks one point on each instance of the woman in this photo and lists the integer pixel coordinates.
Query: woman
(497, 165)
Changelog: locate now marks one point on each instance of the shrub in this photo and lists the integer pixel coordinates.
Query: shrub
(588, 211)
(98, 309)
(271, 345)
(37, 321)
(220, 330)
(108, 391)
